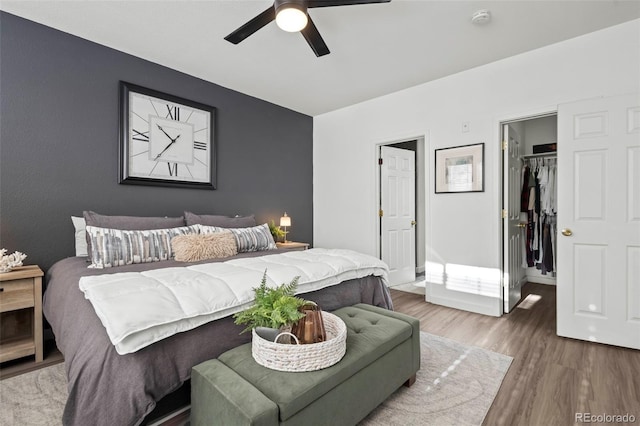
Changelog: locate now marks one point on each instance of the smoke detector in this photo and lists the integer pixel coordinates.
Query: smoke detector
(481, 17)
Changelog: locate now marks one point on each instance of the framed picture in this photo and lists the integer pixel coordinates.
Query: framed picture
(460, 169)
(165, 140)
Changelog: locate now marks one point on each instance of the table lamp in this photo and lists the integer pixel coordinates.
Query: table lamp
(284, 222)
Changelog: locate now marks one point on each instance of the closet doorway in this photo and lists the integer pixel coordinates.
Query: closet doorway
(529, 176)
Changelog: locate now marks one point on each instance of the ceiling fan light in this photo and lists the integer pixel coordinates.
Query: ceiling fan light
(291, 18)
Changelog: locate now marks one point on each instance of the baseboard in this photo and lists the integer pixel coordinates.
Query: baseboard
(533, 275)
(469, 305)
(541, 280)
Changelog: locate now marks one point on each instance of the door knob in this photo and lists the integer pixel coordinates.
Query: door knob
(413, 223)
(522, 225)
(567, 232)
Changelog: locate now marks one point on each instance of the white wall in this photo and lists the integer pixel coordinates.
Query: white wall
(461, 229)
(539, 131)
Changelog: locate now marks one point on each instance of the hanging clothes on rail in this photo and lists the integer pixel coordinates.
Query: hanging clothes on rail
(538, 199)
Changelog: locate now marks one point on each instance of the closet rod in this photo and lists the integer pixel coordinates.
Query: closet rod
(541, 155)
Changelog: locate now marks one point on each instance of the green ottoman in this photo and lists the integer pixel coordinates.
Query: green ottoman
(383, 352)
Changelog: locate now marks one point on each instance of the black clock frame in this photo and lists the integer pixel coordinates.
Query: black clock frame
(124, 177)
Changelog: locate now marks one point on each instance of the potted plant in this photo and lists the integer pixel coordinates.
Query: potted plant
(275, 308)
(276, 231)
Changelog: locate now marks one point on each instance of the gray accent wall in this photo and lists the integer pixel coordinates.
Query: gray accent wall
(59, 144)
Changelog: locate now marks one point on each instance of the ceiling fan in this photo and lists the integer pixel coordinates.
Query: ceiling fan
(292, 16)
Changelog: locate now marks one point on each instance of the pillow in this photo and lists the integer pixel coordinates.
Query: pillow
(80, 235)
(117, 247)
(255, 238)
(129, 223)
(195, 247)
(132, 222)
(221, 221)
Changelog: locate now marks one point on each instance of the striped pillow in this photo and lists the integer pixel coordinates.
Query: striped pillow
(255, 238)
(116, 247)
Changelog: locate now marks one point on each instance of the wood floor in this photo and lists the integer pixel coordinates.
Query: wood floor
(550, 379)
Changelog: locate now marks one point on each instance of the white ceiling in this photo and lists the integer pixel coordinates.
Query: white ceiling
(375, 49)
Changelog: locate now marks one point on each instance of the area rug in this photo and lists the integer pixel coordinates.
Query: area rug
(455, 386)
(35, 398)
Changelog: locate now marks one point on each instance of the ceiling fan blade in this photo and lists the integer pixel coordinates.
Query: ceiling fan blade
(313, 37)
(252, 26)
(329, 3)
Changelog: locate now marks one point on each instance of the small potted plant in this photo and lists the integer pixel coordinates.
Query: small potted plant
(276, 231)
(274, 308)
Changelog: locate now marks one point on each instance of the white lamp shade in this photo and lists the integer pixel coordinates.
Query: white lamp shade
(291, 19)
(285, 220)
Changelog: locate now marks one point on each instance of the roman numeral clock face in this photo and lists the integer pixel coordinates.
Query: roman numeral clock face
(168, 140)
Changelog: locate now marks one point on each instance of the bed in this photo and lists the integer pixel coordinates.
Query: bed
(106, 388)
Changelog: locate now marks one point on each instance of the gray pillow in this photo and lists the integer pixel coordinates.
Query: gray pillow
(130, 223)
(220, 221)
(255, 238)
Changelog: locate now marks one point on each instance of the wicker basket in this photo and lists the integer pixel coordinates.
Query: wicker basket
(310, 357)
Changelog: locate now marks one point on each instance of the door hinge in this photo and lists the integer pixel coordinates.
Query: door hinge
(504, 145)
(380, 161)
(380, 213)
(504, 213)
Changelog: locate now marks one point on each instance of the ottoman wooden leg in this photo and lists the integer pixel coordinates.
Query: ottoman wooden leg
(410, 381)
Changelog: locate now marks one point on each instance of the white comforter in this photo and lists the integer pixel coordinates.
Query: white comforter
(140, 308)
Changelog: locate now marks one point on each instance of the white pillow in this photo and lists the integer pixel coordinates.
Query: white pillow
(81, 237)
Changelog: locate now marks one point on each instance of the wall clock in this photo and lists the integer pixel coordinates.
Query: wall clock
(165, 140)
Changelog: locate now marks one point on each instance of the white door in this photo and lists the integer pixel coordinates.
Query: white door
(513, 233)
(598, 281)
(398, 205)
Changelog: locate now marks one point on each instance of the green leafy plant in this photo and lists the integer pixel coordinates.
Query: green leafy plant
(273, 307)
(276, 231)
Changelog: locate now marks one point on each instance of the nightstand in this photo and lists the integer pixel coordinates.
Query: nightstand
(21, 313)
(291, 245)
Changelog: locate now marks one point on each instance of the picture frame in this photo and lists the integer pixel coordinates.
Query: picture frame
(459, 169)
(165, 140)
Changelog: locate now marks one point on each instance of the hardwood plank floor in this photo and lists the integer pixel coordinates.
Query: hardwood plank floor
(551, 378)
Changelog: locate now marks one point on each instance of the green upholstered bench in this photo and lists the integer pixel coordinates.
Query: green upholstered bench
(383, 353)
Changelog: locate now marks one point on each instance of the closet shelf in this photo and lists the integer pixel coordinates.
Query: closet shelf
(541, 155)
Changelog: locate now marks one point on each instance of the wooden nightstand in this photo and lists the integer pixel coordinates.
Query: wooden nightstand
(21, 313)
(291, 245)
